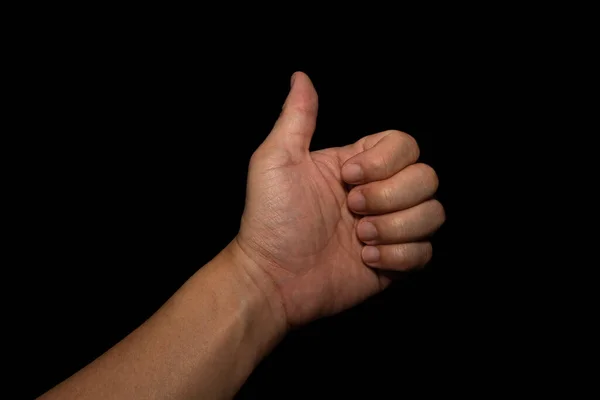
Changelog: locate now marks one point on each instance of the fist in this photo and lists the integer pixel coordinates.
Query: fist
(322, 231)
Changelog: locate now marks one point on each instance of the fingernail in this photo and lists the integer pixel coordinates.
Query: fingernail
(366, 231)
(356, 201)
(370, 254)
(292, 79)
(352, 173)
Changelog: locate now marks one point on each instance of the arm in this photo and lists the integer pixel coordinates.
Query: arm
(202, 343)
(321, 231)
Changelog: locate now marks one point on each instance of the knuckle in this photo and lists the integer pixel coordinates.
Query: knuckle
(415, 151)
(411, 145)
(305, 109)
(438, 210)
(442, 214)
(396, 133)
(384, 165)
(429, 177)
(427, 253)
(387, 195)
(400, 253)
(398, 226)
(378, 166)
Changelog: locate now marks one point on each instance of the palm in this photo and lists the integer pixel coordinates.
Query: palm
(301, 213)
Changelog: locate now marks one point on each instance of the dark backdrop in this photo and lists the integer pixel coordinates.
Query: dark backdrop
(136, 178)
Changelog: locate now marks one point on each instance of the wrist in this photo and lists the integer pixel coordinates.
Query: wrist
(260, 289)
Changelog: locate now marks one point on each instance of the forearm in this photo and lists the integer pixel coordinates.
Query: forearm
(203, 343)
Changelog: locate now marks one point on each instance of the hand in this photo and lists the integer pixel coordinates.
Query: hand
(305, 233)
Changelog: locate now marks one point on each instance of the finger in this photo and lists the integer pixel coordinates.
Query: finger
(392, 152)
(405, 226)
(409, 187)
(397, 257)
(294, 129)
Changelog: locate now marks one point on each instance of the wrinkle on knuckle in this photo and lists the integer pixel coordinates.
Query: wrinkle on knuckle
(384, 165)
(388, 196)
(400, 253)
(398, 224)
(303, 109)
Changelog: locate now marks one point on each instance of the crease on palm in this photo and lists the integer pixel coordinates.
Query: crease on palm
(323, 169)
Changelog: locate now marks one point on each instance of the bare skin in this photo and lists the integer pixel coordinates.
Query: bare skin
(309, 246)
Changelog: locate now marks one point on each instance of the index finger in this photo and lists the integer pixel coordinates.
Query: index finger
(394, 151)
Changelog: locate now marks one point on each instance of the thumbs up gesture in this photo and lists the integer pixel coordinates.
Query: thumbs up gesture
(311, 244)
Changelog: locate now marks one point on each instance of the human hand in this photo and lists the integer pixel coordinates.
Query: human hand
(322, 230)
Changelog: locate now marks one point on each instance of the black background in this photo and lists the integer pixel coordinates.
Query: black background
(135, 153)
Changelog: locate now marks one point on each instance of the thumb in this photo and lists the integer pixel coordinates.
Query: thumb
(296, 124)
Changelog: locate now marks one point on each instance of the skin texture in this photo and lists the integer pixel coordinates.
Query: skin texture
(300, 223)
(321, 232)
